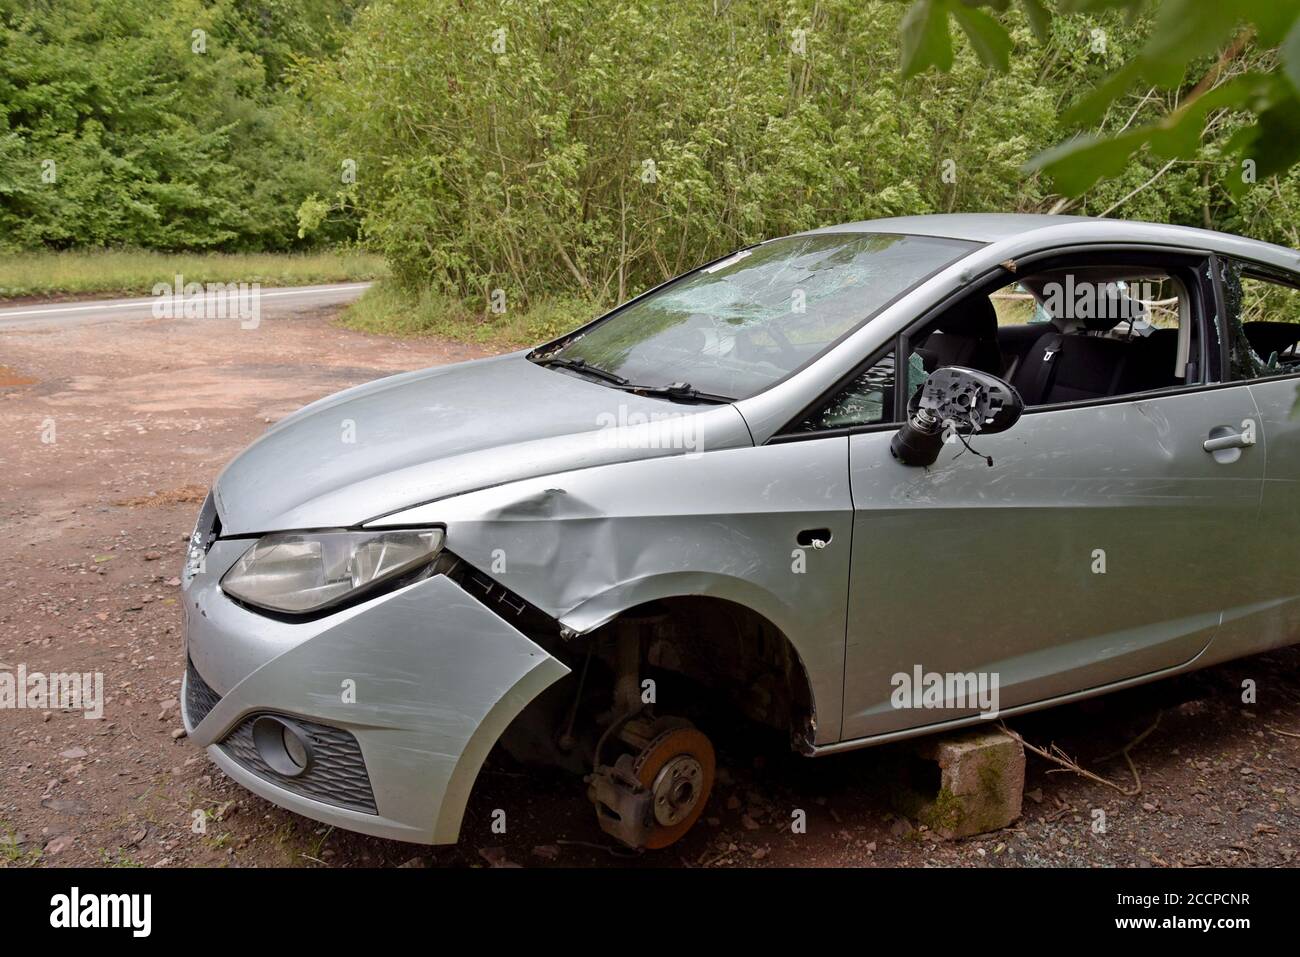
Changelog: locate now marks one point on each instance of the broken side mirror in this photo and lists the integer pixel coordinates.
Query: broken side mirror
(954, 399)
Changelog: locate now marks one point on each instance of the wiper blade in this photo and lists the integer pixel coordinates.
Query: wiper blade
(582, 367)
(678, 391)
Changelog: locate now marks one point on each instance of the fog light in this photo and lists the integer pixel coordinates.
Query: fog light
(295, 747)
(283, 745)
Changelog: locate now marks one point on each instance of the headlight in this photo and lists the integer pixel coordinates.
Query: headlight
(298, 572)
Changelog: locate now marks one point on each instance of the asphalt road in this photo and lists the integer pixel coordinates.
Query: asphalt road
(270, 301)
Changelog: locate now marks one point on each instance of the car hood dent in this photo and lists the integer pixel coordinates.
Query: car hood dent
(422, 436)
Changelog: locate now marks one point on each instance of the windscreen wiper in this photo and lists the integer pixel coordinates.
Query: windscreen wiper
(582, 367)
(678, 391)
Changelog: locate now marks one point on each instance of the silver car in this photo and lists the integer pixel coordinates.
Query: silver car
(863, 483)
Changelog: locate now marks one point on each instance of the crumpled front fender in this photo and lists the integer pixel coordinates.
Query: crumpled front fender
(437, 678)
(585, 545)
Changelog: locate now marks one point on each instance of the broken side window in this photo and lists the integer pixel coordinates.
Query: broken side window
(867, 400)
(1263, 324)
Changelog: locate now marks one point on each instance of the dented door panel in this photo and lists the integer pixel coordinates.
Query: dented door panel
(585, 545)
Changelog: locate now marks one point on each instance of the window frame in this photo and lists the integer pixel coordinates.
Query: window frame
(829, 396)
(1204, 292)
(1250, 269)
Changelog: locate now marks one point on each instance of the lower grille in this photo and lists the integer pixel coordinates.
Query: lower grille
(199, 698)
(337, 774)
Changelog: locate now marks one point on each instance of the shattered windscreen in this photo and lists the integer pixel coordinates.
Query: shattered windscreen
(741, 324)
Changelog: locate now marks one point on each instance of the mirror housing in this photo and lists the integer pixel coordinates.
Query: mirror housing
(966, 401)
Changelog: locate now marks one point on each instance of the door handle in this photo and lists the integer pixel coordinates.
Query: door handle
(1228, 440)
(813, 538)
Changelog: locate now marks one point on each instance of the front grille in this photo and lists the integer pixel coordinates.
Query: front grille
(337, 774)
(199, 698)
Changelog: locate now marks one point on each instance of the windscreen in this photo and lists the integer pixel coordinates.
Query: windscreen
(741, 324)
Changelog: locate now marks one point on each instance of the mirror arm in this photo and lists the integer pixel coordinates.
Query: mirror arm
(920, 439)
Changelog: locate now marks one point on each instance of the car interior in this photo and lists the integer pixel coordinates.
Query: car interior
(1270, 317)
(1276, 343)
(1072, 335)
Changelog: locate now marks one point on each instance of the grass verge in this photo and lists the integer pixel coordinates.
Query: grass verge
(387, 309)
(128, 272)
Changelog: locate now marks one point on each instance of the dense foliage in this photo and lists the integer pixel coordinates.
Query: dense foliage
(595, 147)
(1263, 89)
(592, 148)
(164, 124)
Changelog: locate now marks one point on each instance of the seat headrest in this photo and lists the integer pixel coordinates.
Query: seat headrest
(1100, 307)
(973, 316)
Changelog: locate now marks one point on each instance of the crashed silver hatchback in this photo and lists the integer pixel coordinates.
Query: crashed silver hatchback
(858, 484)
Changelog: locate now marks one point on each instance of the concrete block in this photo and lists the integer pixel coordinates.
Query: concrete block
(970, 782)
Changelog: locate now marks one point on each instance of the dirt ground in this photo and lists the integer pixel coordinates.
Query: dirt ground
(145, 412)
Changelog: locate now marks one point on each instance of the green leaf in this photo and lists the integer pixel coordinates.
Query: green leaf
(991, 42)
(1277, 148)
(1183, 31)
(1272, 19)
(1040, 20)
(1290, 51)
(926, 41)
(1078, 164)
(1240, 145)
(1092, 107)
(1178, 135)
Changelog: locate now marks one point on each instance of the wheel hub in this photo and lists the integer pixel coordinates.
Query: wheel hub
(676, 789)
(649, 797)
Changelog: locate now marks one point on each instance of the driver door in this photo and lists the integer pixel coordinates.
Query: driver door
(1092, 551)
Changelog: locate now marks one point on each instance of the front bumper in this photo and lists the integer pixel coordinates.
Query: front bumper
(422, 681)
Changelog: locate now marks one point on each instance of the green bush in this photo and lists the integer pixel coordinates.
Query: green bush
(596, 147)
(390, 309)
(593, 148)
(159, 124)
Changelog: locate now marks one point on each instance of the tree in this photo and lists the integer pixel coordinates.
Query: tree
(1253, 69)
(165, 124)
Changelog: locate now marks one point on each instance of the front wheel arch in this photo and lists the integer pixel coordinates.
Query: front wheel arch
(755, 640)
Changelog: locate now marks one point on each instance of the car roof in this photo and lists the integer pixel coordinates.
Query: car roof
(996, 227)
(976, 227)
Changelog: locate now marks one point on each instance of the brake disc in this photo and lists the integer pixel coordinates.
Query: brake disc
(677, 767)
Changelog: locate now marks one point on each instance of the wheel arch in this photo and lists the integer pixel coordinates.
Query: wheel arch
(748, 606)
